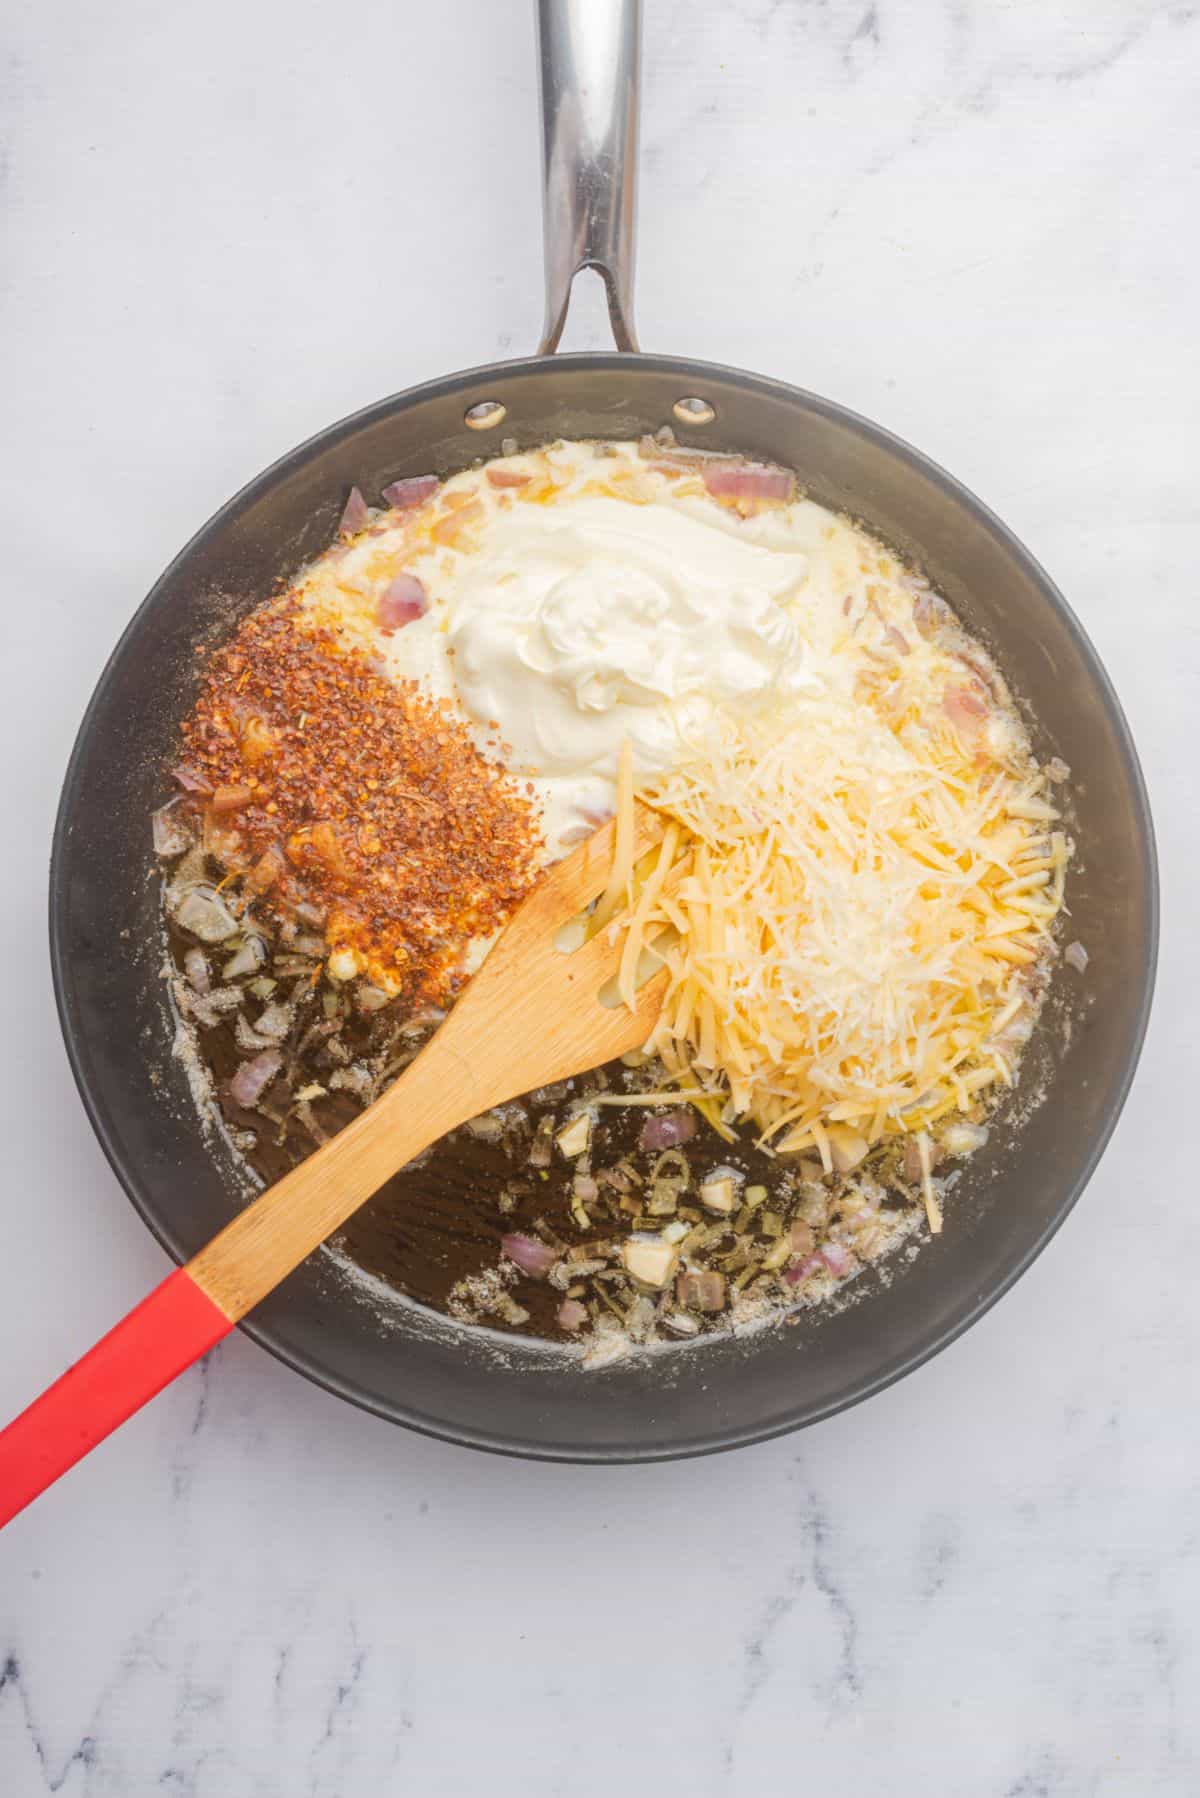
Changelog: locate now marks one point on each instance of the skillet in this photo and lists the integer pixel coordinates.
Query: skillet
(408, 1364)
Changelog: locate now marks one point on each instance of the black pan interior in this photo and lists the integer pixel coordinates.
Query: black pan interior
(472, 1386)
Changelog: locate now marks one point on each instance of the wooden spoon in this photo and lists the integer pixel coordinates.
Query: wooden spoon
(531, 1015)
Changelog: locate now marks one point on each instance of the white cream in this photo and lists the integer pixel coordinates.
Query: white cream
(619, 607)
(578, 625)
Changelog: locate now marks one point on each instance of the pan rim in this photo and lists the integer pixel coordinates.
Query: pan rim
(728, 1437)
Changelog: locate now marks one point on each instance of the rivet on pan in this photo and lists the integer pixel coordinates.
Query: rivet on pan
(694, 412)
(485, 416)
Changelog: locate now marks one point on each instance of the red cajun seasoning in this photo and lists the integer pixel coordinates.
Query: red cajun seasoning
(333, 786)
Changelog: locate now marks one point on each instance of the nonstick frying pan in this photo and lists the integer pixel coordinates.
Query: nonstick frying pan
(407, 1364)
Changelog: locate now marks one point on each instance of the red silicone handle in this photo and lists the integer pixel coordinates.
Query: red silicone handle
(159, 1338)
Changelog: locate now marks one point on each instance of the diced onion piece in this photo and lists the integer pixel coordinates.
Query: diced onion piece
(171, 836)
(572, 1315)
(275, 1022)
(246, 960)
(574, 1137)
(189, 780)
(252, 1079)
(195, 966)
(748, 480)
(355, 514)
(965, 706)
(371, 998)
(804, 1270)
(701, 1290)
(719, 1193)
(836, 1258)
(204, 914)
(412, 491)
(487, 1126)
(1076, 956)
(649, 1259)
(669, 1131)
(531, 1256)
(801, 1238)
(402, 600)
(963, 1138)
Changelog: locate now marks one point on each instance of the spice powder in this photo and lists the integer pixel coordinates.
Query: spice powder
(332, 787)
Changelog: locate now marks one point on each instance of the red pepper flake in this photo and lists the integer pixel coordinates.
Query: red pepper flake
(362, 796)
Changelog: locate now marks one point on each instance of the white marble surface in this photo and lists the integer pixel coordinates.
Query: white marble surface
(975, 221)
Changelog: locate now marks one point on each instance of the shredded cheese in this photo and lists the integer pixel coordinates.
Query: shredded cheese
(857, 896)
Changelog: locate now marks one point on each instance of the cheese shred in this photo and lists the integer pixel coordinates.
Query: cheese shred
(858, 907)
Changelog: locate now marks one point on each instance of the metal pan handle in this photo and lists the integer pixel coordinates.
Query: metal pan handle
(590, 54)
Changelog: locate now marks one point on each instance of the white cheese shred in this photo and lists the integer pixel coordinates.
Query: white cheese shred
(857, 904)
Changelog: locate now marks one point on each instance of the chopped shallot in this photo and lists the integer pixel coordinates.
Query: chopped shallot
(248, 959)
(748, 480)
(963, 1138)
(800, 1238)
(203, 913)
(836, 1258)
(669, 1131)
(701, 1290)
(170, 836)
(274, 1022)
(412, 491)
(371, 998)
(530, 1255)
(571, 1314)
(1076, 956)
(253, 1078)
(402, 600)
(965, 706)
(195, 966)
(929, 612)
(355, 515)
(189, 780)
